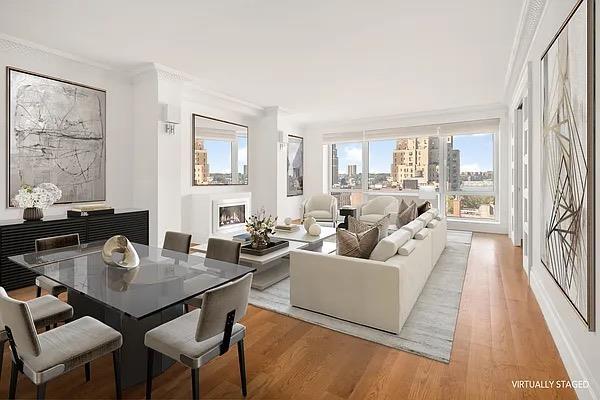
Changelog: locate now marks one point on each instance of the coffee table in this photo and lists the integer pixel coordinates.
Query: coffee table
(313, 242)
(270, 268)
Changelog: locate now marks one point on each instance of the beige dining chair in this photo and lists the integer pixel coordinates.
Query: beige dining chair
(220, 250)
(199, 336)
(50, 243)
(43, 357)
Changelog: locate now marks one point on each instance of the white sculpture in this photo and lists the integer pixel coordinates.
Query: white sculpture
(308, 222)
(314, 230)
(120, 244)
(287, 221)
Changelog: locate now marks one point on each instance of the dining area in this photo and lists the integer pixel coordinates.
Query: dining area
(172, 307)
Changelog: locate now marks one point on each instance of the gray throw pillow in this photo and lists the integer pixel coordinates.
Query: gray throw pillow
(356, 226)
(407, 215)
(358, 245)
(403, 206)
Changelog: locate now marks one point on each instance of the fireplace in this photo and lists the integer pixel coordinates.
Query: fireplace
(232, 214)
(229, 215)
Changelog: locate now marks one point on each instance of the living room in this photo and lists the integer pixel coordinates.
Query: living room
(369, 200)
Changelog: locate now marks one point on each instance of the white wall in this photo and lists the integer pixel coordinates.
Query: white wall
(288, 206)
(119, 121)
(578, 347)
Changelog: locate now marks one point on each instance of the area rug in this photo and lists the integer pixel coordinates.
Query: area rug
(429, 329)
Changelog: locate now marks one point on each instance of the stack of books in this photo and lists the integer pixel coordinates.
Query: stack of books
(287, 228)
(90, 209)
(243, 238)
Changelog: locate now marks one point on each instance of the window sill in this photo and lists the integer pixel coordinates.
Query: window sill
(473, 221)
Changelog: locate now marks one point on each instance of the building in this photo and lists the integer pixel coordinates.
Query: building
(335, 179)
(201, 167)
(351, 170)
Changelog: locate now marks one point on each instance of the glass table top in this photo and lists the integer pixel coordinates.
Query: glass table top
(162, 279)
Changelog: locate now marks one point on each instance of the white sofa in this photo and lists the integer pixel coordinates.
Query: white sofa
(376, 293)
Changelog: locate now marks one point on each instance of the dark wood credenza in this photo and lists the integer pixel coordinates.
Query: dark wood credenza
(18, 237)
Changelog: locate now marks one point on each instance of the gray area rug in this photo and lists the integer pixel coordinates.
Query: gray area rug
(429, 329)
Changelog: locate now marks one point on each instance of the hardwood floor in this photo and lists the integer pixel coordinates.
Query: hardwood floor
(500, 336)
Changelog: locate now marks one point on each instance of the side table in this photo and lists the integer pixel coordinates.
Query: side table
(347, 211)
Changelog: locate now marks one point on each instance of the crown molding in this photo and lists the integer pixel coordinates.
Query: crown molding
(11, 43)
(529, 20)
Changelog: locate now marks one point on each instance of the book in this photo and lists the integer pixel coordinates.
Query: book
(287, 228)
(242, 238)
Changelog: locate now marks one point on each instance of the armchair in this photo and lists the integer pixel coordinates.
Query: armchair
(377, 208)
(322, 207)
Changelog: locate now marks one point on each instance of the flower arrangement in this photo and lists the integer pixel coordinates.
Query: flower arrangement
(41, 196)
(259, 226)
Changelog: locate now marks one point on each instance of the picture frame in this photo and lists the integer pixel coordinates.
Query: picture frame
(295, 166)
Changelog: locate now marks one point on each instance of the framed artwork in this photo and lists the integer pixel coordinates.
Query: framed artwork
(295, 166)
(219, 152)
(567, 248)
(56, 134)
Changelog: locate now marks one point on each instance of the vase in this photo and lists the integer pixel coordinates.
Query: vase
(260, 240)
(33, 214)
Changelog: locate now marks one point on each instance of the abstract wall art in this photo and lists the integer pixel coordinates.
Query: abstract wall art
(57, 134)
(567, 248)
(295, 166)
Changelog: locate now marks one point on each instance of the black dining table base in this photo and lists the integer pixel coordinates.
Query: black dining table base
(133, 352)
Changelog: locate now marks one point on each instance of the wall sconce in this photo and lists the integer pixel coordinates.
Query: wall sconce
(282, 140)
(170, 115)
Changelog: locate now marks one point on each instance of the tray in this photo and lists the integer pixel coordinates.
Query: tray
(273, 245)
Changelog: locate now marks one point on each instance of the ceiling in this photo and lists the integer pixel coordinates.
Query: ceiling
(319, 59)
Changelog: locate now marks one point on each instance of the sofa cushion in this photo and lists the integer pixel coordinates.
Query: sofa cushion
(406, 216)
(423, 207)
(433, 211)
(413, 227)
(358, 245)
(425, 218)
(382, 224)
(422, 234)
(433, 223)
(388, 246)
(407, 247)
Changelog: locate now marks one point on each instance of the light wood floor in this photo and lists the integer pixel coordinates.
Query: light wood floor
(500, 336)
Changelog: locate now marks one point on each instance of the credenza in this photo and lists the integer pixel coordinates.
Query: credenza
(18, 237)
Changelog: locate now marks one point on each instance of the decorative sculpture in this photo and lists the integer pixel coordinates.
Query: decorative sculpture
(120, 244)
(314, 230)
(308, 221)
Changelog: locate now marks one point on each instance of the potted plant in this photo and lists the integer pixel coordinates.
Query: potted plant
(259, 226)
(33, 200)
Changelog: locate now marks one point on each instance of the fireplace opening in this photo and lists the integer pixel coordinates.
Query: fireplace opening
(232, 215)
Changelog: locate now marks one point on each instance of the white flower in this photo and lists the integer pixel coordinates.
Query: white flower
(41, 196)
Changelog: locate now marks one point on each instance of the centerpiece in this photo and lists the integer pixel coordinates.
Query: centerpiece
(259, 226)
(33, 200)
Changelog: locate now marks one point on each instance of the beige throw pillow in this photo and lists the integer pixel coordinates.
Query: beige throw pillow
(406, 216)
(358, 245)
(356, 226)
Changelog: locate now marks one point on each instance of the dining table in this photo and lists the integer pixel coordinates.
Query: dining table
(131, 300)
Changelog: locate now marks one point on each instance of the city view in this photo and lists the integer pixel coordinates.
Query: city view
(414, 163)
(213, 161)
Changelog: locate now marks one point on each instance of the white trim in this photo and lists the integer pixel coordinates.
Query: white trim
(572, 359)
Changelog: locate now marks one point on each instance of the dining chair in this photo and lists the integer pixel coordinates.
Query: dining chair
(43, 357)
(45, 312)
(220, 250)
(176, 241)
(199, 336)
(49, 243)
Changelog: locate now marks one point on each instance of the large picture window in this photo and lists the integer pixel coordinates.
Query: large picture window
(346, 166)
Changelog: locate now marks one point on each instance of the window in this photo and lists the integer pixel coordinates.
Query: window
(470, 176)
(404, 164)
(346, 166)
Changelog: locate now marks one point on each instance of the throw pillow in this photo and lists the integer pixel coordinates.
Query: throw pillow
(356, 226)
(388, 246)
(422, 234)
(403, 206)
(407, 215)
(423, 208)
(358, 245)
(407, 247)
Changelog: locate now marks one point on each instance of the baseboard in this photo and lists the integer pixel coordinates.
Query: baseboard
(572, 359)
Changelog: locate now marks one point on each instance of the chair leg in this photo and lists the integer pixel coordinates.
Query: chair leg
(149, 372)
(14, 375)
(1, 357)
(88, 371)
(195, 383)
(38, 292)
(47, 328)
(117, 367)
(187, 308)
(41, 391)
(242, 360)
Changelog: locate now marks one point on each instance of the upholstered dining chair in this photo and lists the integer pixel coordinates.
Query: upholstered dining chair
(49, 243)
(199, 336)
(176, 241)
(220, 250)
(43, 357)
(45, 312)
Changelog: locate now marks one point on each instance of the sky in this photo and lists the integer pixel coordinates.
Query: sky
(219, 155)
(476, 154)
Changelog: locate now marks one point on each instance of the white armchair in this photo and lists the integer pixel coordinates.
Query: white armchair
(377, 208)
(322, 207)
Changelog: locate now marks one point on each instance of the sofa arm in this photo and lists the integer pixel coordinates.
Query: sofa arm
(358, 290)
